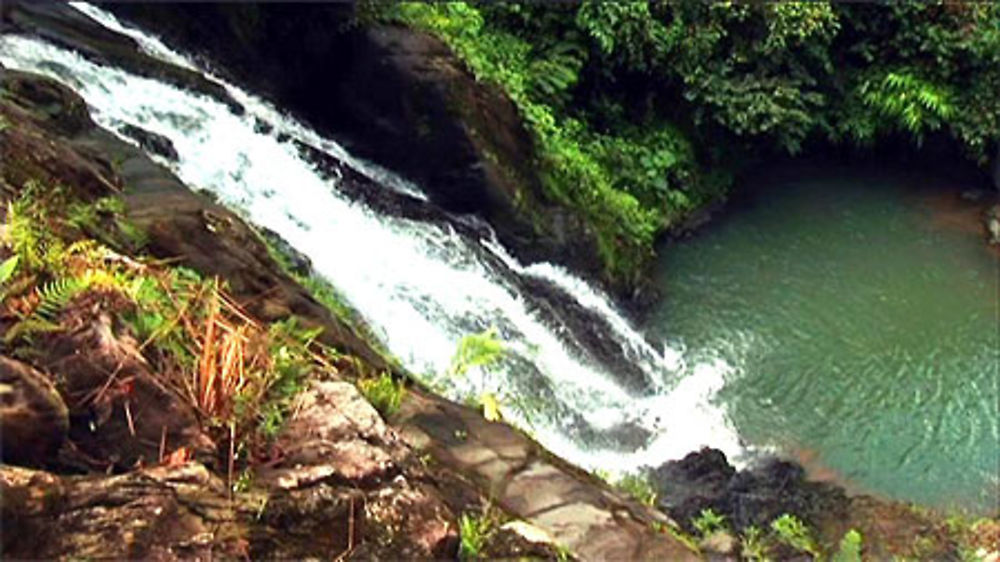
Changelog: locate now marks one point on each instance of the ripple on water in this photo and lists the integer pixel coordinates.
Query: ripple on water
(877, 303)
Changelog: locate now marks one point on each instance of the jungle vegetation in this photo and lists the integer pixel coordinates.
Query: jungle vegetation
(642, 112)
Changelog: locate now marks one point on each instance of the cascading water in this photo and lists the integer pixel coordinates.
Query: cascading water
(422, 286)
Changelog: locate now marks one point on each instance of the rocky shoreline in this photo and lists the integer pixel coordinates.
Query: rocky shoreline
(85, 477)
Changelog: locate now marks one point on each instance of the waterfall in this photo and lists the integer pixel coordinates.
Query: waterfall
(421, 285)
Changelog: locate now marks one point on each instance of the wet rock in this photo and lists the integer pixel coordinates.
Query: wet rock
(993, 224)
(40, 111)
(335, 434)
(696, 482)
(49, 102)
(121, 413)
(399, 97)
(33, 418)
(755, 496)
(262, 127)
(163, 513)
(299, 263)
(151, 142)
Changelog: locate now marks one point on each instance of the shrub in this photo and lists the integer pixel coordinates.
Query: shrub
(790, 530)
(708, 522)
(384, 392)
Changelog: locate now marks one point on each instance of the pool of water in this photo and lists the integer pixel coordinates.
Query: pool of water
(859, 309)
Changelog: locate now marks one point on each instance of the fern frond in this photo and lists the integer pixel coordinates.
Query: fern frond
(55, 295)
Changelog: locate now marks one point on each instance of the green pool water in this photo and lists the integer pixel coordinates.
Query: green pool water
(861, 320)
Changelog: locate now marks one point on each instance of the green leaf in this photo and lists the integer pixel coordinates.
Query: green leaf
(7, 268)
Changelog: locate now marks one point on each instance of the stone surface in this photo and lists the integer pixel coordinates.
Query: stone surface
(163, 513)
(33, 418)
(755, 496)
(335, 433)
(412, 522)
(578, 511)
(150, 141)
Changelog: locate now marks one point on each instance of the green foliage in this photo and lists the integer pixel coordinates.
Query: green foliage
(639, 487)
(7, 269)
(909, 102)
(616, 94)
(474, 531)
(576, 162)
(687, 540)
(708, 522)
(753, 545)
(33, 229)
(850, 548)
(482, 350)
(384, 392)
(291, 364)
(790, 530)
(55, 295)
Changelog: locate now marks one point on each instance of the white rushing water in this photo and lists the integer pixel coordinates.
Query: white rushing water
(422, 287)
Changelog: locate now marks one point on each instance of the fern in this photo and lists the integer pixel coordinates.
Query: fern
(55, 295)
(558, 71)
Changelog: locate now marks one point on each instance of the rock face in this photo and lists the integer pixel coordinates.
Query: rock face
(395, 96)
(33, 418)
(162, 513)
(574, 508)
(345, 479)
(756, 496)
(150, 141)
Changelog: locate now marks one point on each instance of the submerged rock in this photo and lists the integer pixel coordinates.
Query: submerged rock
(33, 418)
(150, 141)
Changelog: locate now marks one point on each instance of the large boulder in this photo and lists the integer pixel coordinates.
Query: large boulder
(339, 483)
(336, 434)
(754, 496)
(33, 418)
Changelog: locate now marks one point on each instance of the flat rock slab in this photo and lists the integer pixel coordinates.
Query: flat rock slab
(577, 510)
